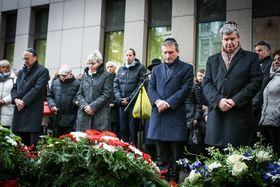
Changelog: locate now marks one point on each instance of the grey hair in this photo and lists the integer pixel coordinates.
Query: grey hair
(4, 63)
(95, 56)
(228, 29)
(111, 63)
(170, 42)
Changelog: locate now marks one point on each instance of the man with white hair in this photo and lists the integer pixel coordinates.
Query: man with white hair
(63, 102)
(232, 79)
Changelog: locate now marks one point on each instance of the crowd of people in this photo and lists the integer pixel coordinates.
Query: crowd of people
(236, 96)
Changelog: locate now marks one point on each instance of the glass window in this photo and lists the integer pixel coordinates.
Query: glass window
(156, 37)
(114, 46)
(211, 15)
(159, 27)
(208, 41)
(10, 20)
(114, 31)
(41, 29)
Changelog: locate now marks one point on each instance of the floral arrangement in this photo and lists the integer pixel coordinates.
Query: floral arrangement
(94, 159)
(242, 166)
(16, 160)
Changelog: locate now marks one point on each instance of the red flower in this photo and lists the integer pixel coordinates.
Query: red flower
(172, 184)
(117, 142)
(92, 132)
(108, 133)
(69, 136)
(147, 157)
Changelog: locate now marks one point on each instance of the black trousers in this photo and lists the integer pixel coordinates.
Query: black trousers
(169, 153)
(28, 138)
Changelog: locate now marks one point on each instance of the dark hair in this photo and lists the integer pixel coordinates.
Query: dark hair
(263, 43)
(201, 71)
(171, 41)
(32, 51)
(133, 51)
(276, 52)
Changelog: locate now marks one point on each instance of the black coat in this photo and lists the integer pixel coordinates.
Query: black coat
(30, 86)
(240, 83)
(128, 80)
(63, 96)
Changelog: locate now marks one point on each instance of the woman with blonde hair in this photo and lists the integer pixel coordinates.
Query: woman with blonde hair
(7, 79)
(94, 95)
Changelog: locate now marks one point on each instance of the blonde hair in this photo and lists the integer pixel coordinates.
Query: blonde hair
(4, 63)
(95, 56)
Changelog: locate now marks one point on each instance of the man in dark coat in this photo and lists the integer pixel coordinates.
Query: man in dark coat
(63, 101)
(170, 83)
(263, 50)
(232, 79)
(129, 77)
(28, 95)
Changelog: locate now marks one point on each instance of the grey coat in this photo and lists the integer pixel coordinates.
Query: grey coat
(240, 83)
(30, 86)
(271, 105)
(96, 91)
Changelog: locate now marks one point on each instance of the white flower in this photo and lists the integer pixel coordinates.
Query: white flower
(135, 150)
(11, 141)
(239, 168)
(106, 138)
(78, 135)
(109, 148)
(1, 128)
(214, 165)
(263, 156)
(194, 176)
(232, 159)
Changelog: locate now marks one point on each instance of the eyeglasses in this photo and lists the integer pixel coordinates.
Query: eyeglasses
(231, 23)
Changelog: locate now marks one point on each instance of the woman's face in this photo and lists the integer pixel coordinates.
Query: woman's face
(4, 68)
(92, 65)
(276, 61)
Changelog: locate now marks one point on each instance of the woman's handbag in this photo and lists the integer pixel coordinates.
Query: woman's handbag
(47, 111)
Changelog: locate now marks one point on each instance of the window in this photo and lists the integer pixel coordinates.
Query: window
(40, 36)
(266, 19)
(159, 27)
(114, 30)
(210, 18)
(10, 21)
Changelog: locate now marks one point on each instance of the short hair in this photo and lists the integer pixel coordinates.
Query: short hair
(4, 62)
(95, 56)
(32, 51)
(171, 41)
(131, 49)
(264, 43)
(111, 63)
(229, 27)
(276, 52)
(201, 71)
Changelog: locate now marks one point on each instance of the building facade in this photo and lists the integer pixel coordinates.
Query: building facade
(66, 31)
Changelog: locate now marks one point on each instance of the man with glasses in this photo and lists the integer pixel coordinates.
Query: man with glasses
(63, 102)
(232, 79)
(28, 95)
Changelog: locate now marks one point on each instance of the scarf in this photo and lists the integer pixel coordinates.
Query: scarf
(4, 76)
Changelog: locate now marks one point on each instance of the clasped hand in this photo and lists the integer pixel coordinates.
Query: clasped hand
(226, 104)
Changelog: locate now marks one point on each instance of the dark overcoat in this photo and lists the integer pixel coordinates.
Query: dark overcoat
(95, 91)
(240, 83)
(30, 86)
(171, 124)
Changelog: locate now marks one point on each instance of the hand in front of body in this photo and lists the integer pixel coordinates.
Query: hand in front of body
(2, 102)
(89, 110)
(19, 104)
(124, 101)
(162, 105)
(226, 104)
(54, 110)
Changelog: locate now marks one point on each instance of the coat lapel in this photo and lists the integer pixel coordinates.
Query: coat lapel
(175, 70)
(235, 59)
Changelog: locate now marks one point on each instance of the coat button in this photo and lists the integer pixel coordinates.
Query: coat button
(226, 79)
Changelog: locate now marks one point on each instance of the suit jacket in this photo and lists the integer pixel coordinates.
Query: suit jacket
(171, 124)
(240, 82)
